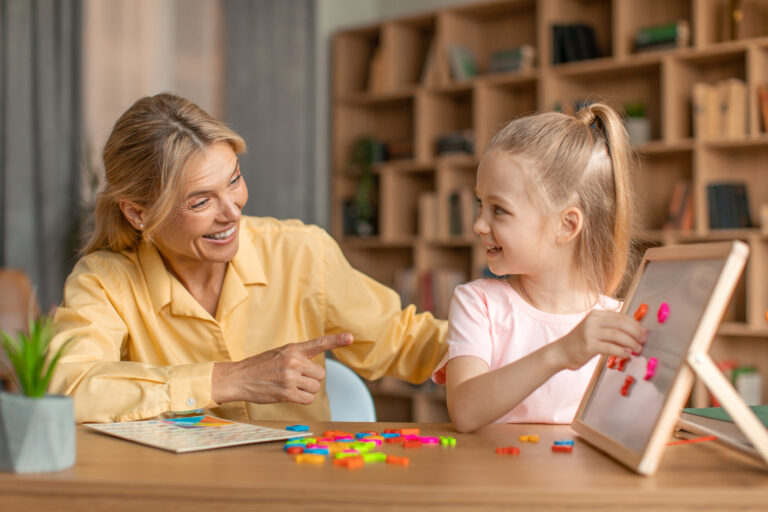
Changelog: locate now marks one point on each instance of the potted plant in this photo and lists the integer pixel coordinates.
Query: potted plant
(37, 430)
(637, 124)
(365, 152)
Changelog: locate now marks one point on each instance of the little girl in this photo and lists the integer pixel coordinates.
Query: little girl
(555, 215)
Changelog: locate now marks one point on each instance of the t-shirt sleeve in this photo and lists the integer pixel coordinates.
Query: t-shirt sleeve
(469, 328)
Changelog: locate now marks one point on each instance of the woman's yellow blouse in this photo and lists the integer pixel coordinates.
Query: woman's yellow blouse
(144, 346)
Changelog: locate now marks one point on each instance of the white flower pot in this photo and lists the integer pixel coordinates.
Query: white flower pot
(36, 434)
(638, 130)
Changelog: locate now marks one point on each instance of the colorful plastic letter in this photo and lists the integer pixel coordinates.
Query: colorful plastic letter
(663, 313)
(650, 368)
(564, 448)
(627, 383)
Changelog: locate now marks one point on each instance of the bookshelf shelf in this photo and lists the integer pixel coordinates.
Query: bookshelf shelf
(736, 329)
(393, 81)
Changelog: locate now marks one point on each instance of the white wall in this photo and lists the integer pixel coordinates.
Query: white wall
(332, 16)
(134, 48)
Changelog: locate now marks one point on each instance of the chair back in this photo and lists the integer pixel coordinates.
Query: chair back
(348, 395)
(16, 299)
(16, 303)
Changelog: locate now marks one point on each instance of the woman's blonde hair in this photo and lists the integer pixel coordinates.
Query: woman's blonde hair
(582, 161)
(144, 157)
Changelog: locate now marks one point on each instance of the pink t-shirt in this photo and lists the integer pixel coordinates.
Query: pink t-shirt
(490, 320)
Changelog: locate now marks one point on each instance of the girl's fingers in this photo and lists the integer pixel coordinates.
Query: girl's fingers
(612, 349)
(619, 337)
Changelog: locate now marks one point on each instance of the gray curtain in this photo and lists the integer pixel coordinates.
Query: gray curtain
(39, 139)
(269, 100)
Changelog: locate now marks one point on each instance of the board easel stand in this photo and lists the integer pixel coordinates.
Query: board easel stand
(743, 417)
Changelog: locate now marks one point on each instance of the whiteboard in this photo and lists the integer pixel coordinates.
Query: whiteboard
(696, 282)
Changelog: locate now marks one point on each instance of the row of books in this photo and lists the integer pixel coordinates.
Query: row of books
(720, 109)
(461, 210)
(464, 66)
(460, 141)
(573, 42)
(430, 290)
(728, 206)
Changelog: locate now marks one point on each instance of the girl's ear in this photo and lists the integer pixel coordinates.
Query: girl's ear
(570, 225)
(133, 214)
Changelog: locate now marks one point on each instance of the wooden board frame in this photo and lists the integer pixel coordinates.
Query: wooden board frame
(695, 363)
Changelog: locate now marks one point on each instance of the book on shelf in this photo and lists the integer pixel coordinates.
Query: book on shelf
(675, 34)
(461, 212)
(463, 63)
(728, 206)
(732, 97)
(680, 212)
(429, 290)
(519, 58)
(762, 102)
(427, 208)
(376, 72)
(706, 111)
(406, 284)
(433, 74)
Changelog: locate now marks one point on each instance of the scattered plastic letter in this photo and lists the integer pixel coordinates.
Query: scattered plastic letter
(663, 313)
(650, 368)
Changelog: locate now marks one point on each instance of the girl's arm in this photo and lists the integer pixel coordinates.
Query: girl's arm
(477, 396)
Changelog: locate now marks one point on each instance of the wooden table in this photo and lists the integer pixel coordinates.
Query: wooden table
(115, 475)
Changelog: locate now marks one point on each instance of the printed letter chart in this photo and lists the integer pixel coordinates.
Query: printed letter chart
(192, 433)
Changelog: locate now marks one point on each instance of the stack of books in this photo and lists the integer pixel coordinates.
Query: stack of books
(676, 34)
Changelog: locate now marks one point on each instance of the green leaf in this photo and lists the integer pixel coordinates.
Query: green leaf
(28, 353)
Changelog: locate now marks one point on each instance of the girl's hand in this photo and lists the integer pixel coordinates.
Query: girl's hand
(283, 374)
(601, 332)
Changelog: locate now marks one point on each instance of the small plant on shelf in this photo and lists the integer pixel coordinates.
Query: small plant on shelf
(360, 212)
(637, 124)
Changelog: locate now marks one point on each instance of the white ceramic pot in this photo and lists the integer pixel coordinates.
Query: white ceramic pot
(638, 130)
(36, 434)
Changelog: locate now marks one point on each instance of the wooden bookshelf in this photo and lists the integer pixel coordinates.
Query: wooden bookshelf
(399, 106)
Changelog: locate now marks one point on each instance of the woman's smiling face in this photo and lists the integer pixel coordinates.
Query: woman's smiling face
(205, 227)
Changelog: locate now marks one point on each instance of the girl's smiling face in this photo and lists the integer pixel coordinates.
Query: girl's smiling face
(205, 228)
(518, 238)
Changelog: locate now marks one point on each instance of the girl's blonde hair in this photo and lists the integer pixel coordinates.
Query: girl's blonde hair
(580, 161)
(144, 158)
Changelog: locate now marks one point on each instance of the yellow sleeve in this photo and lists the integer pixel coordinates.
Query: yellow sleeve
(389, 340)
(103, 387)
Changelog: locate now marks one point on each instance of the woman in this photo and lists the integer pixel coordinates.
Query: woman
(181, 303)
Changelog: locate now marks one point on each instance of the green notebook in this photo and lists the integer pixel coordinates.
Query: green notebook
(718, 413)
